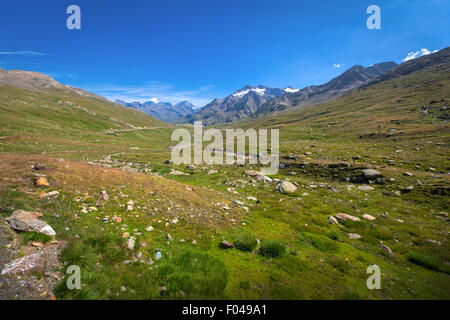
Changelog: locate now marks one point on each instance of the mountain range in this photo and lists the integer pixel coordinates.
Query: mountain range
(239, 105)
(253, 101)
(164, 111)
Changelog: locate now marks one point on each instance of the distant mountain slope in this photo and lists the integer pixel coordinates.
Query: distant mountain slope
(37, 81)
(436, 60)
(337, 87)
(164, 111)
(239, 105)
(60, 119)
(392, 111)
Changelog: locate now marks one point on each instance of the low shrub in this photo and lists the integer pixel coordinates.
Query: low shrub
(272, 248)
(333, 235)
(245, 242)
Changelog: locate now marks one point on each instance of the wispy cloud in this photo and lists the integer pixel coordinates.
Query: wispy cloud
(161, 91)
(413, 55)
(23, 53)
(337, 65)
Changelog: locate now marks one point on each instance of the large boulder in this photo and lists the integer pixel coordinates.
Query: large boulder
(286, 187)
(29, 221)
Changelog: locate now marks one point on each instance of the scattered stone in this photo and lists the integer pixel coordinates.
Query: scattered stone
(332, 220)
(238, 203)
(212, 171)
(407, 174)
(178, 173)
(117, 219)
(158, 255)
(149, 228)
(41, 182)
(369, 217)
(37, 244)
(169, 237)
(29, 221)
(366, 188)
(371, 174)
(434, 241)
(387, 249)
(130, 243)
(252, 173)
(286, 187)
(163, 291)
(407, 189)
(125, 235)
(52, 194)
(354, 236)
(226, 245)
(344, 216)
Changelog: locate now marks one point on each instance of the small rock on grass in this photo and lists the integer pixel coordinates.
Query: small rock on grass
(343, 216)
(226, 245)
(368, 217)
(366, 188)
(41, 182)
(286, 187)
(332, 220)
(387, 249)
(52, 194)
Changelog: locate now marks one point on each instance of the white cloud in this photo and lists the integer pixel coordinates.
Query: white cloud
(155, 91)
(337, 65)
(23, 53)
(413, 55)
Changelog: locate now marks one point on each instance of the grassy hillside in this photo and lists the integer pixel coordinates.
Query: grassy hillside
(383, 127)
(33, 121)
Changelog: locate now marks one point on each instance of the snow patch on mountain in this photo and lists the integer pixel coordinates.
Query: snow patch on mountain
(242, 93)
(291, 90)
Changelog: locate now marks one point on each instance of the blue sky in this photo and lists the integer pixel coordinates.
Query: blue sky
(198, 50)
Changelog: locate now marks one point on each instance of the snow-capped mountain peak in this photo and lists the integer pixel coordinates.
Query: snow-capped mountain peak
(242, 93)
(154, 100)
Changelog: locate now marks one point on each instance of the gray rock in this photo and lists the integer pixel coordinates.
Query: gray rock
(29, 221)
(387, 249)
(130, 243)
(371, 174)
(344, 216)
(366, 188)
(52, 194)
(286, 187)
(226, 245)
(332, 220)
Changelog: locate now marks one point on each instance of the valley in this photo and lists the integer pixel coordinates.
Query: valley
(364, 179)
